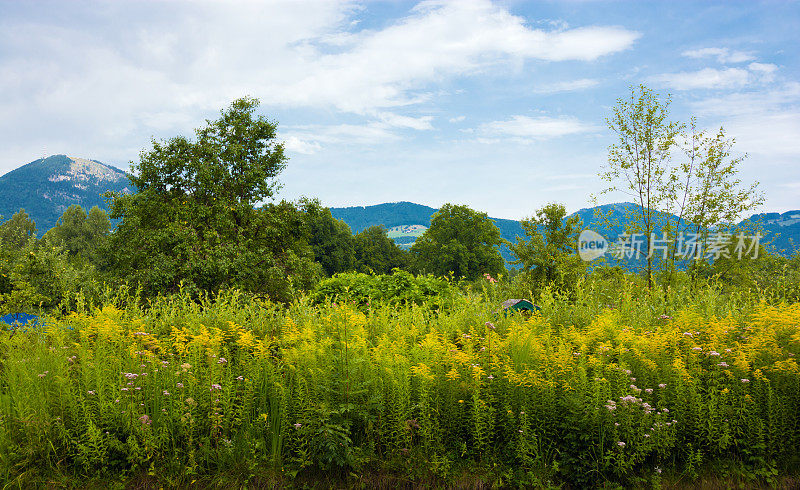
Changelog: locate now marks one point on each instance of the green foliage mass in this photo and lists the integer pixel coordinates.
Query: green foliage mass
(376, 252)
(194, 223)
(548, 254)
(398, 288)
(460, 241)
(330, 238)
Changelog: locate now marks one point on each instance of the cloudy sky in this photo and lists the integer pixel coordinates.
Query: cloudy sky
(498, 105)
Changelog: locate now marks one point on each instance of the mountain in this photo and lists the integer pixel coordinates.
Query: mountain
(45, 188)
(359, 218)
(780, 231)
(404, 214)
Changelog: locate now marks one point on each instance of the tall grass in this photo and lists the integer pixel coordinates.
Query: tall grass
(624, 385)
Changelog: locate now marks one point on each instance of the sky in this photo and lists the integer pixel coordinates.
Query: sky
(500, 105)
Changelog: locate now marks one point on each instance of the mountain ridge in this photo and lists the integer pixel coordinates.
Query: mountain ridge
(781, 230)
(46, 187)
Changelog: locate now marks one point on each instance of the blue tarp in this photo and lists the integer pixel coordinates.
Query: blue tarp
(20, 319)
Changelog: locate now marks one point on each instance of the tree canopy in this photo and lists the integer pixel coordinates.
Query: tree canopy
(460, 241)
(193, 220)
(667, 167)
(548, 252)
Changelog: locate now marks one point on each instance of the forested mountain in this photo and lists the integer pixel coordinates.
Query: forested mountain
(48, 186)
(781, 231)
(45, 188)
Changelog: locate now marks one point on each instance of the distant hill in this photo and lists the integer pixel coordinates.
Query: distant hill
(783, 230)
(392, 214)
(48, 186)
(404, 213)
(45, 188)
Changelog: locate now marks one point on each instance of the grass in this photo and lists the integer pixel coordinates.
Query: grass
(604, 388)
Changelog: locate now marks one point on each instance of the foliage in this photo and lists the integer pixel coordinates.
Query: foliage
(17, 231)
(194, 223)
(329, 238)
(41, 274)
(376, 252)
(398, 288)
(703, 189)
(639, 164)
(581, 394)
(79, 234)
(548, 254)
(460, 241)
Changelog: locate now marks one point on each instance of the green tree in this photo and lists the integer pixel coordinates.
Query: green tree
(639, 163)
(459, 241)
(710, 193)
(701, 188)
(376, 252)
(193, 219)
(17, 231)
(330, 238)
(548, 253)
(79, 234)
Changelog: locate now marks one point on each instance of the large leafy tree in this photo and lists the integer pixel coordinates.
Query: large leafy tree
(548, 252)
(194, 220)
(460, 241)
(330, 238)
(78, 233)
(376, 252)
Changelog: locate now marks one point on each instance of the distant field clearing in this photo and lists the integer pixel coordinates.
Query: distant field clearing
(407, 231)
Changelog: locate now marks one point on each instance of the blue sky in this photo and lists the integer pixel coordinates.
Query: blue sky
(498, 105)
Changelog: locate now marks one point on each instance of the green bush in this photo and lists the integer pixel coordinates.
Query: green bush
(398, 288)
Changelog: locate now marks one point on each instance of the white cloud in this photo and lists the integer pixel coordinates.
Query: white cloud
(764, 71)
(309, 139)
(769, 134)
(706, 78)
(566, 86)
(382, 69)
(294, 144)
(723, 55)
(398, 121)
(134, 70)
(765, 124)
(456, 119)
(535, 128)
(747, 103)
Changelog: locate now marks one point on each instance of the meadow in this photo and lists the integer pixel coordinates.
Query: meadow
(615, 385)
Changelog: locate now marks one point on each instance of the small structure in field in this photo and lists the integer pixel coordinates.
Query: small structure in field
(522, 305)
